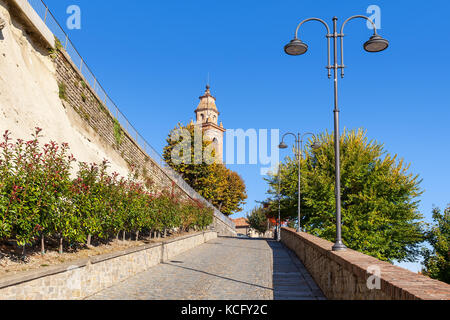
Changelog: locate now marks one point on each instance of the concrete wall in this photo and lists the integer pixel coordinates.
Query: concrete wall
(344, 274)
(82, 278)
(25, 11)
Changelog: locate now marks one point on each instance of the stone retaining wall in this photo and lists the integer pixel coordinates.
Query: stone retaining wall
(223, 229)
(345, 274)
(82, 278)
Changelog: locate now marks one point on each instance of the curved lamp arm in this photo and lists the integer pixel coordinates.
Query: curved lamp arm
(289, 133)
(309, 133)
(342, 37)
(362, 17)
(297, 142)
(304, 135)
(329, 35)
(312, 19)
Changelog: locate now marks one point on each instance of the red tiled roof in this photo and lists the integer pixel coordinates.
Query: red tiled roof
(241, 222)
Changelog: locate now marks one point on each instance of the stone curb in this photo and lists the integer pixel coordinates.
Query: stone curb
(30, 275)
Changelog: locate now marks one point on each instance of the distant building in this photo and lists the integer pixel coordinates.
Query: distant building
(207, 115)
(243, 228)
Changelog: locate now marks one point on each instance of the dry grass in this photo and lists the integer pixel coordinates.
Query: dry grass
(11, 261)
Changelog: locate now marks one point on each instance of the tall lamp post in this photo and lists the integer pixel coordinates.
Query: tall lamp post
(296, 47)
(299, 148)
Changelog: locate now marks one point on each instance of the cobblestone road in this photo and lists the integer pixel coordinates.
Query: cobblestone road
(222, 269)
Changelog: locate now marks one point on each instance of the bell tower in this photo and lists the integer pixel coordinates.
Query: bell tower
(207, 115)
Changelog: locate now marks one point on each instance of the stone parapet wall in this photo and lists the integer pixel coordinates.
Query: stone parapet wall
(85, 277)
(345, 274)
(175, 247)
(223, 229)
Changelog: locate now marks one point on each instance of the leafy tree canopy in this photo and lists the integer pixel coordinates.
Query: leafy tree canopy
(224, 188)
(257, 220)
(379, 197)
(437, 260)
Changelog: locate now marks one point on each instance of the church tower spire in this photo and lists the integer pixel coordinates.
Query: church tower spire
(207, 115)
(207, 109)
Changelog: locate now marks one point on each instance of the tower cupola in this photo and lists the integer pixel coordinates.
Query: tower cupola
(206, 111)
(207, 116)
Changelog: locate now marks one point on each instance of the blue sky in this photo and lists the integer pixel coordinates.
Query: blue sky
(153, 57)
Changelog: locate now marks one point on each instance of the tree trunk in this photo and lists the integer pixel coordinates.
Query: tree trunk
(117, 235)
(88, 241)
(42, 244)
(165, 233)
(123, 236)
(61, 245)
(137, 235)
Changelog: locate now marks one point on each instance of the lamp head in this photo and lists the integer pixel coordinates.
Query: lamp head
(282, 145)
(376, 43)
(296, 47)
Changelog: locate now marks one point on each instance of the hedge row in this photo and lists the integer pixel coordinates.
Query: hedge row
(39, 198)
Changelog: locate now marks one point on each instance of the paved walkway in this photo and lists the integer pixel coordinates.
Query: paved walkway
(222, 269)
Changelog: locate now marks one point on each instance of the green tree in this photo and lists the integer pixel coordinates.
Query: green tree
(224, 188)
(257, 220)
(379, 197)
(437, 260)
(190, 165)
(87, 200)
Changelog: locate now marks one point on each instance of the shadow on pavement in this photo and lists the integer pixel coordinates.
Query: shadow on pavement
(291, 280)
(215, 275)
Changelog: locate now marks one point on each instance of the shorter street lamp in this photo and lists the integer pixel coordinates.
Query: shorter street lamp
(279, 204)
(299, 147)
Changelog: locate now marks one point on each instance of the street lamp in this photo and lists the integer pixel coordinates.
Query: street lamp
(297, 47)
(299, 147)
(279, 204)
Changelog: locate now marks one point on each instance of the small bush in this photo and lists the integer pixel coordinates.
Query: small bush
(101, 107)
(62, 91)
(53, 51)
(39, 198)
(58, 44)
(118, 133)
